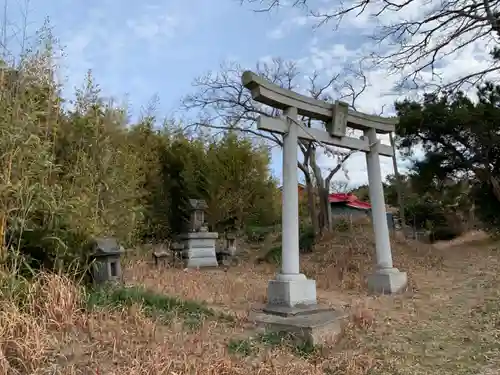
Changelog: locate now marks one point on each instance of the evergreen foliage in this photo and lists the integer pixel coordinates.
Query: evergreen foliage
(73, 170)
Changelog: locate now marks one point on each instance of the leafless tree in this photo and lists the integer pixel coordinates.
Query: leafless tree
(416, 41)
(223, 104)
(339, 186)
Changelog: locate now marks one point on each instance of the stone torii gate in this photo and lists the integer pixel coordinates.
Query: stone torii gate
(291, 288)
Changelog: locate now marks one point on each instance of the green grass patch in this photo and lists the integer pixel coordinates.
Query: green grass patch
(243, 347)
(15, 289)
(161, 307)
(250, 346)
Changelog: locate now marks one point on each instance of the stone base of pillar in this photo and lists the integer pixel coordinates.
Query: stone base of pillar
(291, 290)
(387, 281)
(312, 324)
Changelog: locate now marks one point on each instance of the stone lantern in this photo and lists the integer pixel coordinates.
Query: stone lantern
(106, 260)
(198, 243)
(197, 215)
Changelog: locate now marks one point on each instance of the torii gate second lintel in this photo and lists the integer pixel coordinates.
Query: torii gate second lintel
(276, 125)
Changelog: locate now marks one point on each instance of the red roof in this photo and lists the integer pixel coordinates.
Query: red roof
(349, 200)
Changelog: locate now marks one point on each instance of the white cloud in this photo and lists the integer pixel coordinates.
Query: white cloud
(277, 33)
(106, 39)
(150, 26)
(291, 23)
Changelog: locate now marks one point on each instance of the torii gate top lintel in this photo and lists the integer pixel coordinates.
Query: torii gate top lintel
(271, 94)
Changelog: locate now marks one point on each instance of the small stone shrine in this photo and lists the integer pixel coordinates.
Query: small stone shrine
(231, 244)
(225, 255)
(105, 257)
(199, 243)
(160, 255)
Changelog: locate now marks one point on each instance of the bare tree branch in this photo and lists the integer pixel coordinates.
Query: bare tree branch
(417, 41)
(348, 90)
(272, 4)
(223, 102)
(340, 186)
(337, 167)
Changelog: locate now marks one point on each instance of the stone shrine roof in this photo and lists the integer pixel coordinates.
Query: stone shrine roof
(198, 204)
(106, 246)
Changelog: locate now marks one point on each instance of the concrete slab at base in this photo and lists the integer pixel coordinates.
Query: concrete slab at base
(291, 292)
(315, 328)
(201, 262)
(199, 252)
(388, 281)
(199, 235)
(296, 310)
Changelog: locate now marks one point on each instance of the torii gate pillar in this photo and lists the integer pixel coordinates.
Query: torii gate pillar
(386, 278)
(290, 287)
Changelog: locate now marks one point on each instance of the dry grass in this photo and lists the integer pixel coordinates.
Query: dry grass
(448, 322)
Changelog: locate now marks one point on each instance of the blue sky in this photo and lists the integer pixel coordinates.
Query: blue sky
(138, 49)
(146, 48)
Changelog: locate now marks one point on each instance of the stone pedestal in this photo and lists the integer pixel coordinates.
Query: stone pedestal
(291, 291)
(387, 281)
(311, 324)
(199, 249)
(292, 308)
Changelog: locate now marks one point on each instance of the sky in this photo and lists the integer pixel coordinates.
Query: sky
(141, 49)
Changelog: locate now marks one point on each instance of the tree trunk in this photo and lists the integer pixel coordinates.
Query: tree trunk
(323, 192)
(496, 187)
(399, 183)
(323, 188)
(311, 203)
(324, 208)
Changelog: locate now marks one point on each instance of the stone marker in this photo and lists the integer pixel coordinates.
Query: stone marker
(292, 303)
(106, 260)
(226, 254)
(197, 214)
(231, 243)
(198, 243)
(177, 249)
(160, 255)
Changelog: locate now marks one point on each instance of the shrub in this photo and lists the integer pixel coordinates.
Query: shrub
(273, 255)
(48, 245)
(307, 239)
(444, 234)
(487, 207)
(341, 224)
(258, 234)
